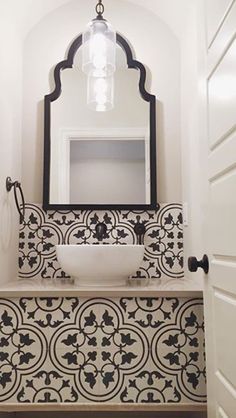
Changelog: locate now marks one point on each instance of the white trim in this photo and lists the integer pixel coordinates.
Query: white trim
(105, 133)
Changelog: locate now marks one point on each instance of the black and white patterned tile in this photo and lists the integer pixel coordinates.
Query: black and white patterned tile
(41, 231)
(126, 350)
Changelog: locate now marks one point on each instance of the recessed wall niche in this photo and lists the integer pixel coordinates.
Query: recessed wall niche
(164, 83)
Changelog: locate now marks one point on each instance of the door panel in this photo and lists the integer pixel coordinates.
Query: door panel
(222, 97)
(225, 395)
(217, 9)
(221, 413)
(223, 274)
(223, 159)
(222, 208)
(220, 285)
(223, 40)
(225, 339)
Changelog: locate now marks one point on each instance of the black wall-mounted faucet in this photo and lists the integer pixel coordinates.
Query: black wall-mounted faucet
(140, 229)
(101, 231)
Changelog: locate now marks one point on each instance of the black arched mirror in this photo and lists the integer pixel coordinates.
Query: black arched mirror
(100, 160)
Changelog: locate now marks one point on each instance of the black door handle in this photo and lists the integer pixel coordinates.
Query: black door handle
(194, 264)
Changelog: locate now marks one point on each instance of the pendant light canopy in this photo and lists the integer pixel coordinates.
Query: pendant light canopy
(99, 61)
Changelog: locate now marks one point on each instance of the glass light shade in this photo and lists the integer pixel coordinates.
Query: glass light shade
(100, 93)
(99, 49)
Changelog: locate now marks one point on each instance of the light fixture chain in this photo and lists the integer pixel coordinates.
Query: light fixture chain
(99, 8)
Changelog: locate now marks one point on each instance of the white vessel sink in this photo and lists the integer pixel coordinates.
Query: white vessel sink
(100, 265)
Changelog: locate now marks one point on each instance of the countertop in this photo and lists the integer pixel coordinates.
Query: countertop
(55, 287)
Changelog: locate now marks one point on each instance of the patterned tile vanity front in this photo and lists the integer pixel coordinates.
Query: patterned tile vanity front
(124, 350)
(41, 231)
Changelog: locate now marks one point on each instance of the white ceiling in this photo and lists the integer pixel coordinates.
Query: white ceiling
(26, 13)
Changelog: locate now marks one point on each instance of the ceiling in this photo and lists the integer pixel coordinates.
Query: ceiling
(28, 13)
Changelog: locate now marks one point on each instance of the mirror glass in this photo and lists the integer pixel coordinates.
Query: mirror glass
(100, 158)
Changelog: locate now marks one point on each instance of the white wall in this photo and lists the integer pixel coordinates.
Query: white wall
(154, 44)
(194, 145)
(10, 138)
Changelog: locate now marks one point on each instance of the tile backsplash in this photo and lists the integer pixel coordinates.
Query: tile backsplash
(119, 350)
(41, 231)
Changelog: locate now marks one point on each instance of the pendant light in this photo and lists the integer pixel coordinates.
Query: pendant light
(98, 61)
(99, 46)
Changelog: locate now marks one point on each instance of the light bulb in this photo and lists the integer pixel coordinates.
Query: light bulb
(99, 62)
(98, 44)
(98, 53)
(100, 89)
(100, 85)
(100, 93)
(101, 99)
(100, 108)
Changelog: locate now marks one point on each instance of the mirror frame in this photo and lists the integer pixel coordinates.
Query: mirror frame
(48, 99)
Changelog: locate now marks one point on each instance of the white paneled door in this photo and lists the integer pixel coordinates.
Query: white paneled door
(220, 283)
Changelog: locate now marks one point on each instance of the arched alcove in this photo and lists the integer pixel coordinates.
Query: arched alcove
(154, 44)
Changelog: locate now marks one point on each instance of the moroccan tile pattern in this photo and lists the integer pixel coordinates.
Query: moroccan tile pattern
(128, 350)
(41, 231)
